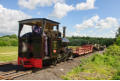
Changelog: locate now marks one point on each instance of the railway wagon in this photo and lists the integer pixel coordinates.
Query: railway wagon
(43, 45)
(82, 50)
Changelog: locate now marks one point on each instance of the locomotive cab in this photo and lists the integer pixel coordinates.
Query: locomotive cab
(44, 42)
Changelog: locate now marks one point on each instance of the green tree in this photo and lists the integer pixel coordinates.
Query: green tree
(118, 40)
(118, 32)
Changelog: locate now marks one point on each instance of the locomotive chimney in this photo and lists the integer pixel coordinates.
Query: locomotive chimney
(64, 29)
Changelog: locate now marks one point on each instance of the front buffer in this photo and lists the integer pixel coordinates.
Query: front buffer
(29, 63)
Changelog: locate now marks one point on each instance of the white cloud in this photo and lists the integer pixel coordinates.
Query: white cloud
(60, 7)
(9, 20)
(88, 23)
(96, 22)
(32, 4)
(107, 23)
(107, 34)
(89, 4)
(61, 10)
(100, 27)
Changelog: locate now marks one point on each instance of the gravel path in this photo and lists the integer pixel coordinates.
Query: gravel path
(54, 72)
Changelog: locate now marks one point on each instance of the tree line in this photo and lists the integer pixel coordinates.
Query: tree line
(78, 41)
(9, 40)
(12, 40)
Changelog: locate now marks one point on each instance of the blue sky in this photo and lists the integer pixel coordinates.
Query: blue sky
(96, 18)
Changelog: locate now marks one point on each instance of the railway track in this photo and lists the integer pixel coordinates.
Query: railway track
(13, 74)
(9, 71)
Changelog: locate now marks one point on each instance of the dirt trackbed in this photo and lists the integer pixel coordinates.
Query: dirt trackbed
(54, 72)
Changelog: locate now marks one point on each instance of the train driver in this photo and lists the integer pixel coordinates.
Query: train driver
(36, 29)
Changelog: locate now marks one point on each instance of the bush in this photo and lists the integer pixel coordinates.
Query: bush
(104, 66)
(118, 40)
(116, 76)
(14, 42)
(9, 40)
(113, 50)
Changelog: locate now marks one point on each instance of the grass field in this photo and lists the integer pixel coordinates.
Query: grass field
(104, 66)
(8, 53)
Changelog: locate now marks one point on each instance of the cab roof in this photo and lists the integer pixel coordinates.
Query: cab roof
(39, 21)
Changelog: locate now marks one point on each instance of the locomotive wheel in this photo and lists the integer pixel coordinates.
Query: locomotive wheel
(54, 62)
(65, 58)
(59, 58)
(67, 55)
(71, 57)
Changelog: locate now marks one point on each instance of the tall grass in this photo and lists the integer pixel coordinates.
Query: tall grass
(99, 66)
